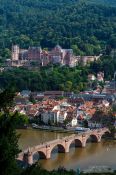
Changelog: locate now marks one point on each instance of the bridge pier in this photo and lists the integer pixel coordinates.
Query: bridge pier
(66, 146)
(83, 144)
(84, 139)
(48, 152)
(99, 138)
(67, 149)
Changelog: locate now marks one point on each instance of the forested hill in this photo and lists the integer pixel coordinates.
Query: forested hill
(103, 2)
(87, 26)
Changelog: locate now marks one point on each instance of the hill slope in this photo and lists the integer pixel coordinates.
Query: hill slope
(103, 2)
(85, 25)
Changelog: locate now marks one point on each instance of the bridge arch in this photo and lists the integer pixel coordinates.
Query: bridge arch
(41, 155)
(77, 142)
(105, 134)
(38, 155)
(92, 138)
(60, 147)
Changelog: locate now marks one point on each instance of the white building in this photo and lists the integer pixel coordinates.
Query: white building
(62, 116)
(74, 122)
(57, 114)
(50, 116)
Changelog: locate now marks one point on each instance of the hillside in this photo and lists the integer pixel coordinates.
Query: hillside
(87, 26)
(103, 2)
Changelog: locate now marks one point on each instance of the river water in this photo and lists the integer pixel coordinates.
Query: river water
(95, 154)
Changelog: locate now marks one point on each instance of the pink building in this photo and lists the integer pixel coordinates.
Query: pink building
(34, 53)
(57, 55)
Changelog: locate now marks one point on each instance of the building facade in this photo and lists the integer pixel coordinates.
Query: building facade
(39, 57)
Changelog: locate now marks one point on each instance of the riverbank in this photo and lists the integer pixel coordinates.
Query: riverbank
(37, 169)
(59, 130)
(53, 129)
(71, 130)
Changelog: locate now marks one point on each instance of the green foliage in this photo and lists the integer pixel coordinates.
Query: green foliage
(37, 170)
(6, 100)
(84, 25)
(8, 137)
(56, 77)
(106, 64)
(49, 78)
(8, 145)
(21, 120)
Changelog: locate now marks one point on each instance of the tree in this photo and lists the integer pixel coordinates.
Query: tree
(76, 50)
(112, 41)
(8, 138)
(6, 100)
(68, 86)
(21, 120)
(6, 53)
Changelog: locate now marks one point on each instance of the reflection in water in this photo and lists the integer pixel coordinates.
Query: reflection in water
(103, 153)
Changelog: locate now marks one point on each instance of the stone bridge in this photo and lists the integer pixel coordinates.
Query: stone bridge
(44, 150)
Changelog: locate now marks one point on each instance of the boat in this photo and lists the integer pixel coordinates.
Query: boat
(35, 126)
(81, 129)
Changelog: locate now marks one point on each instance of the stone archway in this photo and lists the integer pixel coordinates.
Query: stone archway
(41, 155)
(77, 142)
(38, 155)
(105, 134)
(60, 147)
(92, 138)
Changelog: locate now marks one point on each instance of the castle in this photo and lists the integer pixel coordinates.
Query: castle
(38, 57)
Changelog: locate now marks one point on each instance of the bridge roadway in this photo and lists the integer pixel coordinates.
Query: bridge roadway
(63, 144)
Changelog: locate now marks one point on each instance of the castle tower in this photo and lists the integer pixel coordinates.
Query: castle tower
(15, 52)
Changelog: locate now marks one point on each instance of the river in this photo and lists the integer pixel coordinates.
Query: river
(95, 154)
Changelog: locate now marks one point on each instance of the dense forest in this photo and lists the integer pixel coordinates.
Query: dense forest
(56, 77)
(87, 26)
(49, 78)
